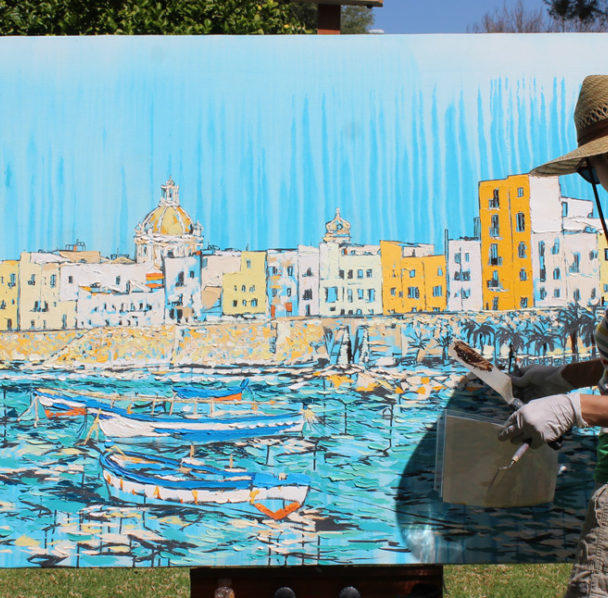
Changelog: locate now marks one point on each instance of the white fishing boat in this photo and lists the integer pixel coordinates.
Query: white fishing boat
(118, 423)
(142, 479)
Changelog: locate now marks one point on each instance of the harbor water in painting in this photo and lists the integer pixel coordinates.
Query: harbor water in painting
(230, 274)
(373, 448)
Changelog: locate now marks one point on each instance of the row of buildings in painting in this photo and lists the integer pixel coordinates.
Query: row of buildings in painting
(531, 248)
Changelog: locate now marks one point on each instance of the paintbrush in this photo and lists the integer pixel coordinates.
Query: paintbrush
(519, 453)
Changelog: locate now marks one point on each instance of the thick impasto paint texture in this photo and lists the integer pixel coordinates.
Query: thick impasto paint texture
(230, 273)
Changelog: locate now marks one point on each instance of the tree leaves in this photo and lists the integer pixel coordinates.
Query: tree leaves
(356, 19)
(152, 17)
(561, 15)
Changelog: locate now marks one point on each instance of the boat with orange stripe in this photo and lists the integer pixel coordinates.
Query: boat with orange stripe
(70, 403)
(142, 479)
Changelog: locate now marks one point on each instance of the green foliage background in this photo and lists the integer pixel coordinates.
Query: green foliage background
(168, 17)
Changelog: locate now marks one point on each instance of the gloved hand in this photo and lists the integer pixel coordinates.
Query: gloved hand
(537, 381)
(544, 420)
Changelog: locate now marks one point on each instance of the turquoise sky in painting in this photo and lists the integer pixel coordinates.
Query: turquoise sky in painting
(268, 135)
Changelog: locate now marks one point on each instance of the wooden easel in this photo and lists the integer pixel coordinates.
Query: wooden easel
(418, 581)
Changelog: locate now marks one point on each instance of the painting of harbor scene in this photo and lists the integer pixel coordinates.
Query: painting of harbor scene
(230, 277)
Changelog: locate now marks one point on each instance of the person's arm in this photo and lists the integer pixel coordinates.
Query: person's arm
(582, 373)
(594, 410)
(537, 381)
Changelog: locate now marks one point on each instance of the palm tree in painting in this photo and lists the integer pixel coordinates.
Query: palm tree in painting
(572, 319)
(469, 327)
(510, 336)
(561, 336)
(587, 330)
(419, 340)
(476, 333)
(541, 338)
(480, 334)
(487, 334)
(445, 339)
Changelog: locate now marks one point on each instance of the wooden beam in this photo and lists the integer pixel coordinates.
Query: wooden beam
(328, 19)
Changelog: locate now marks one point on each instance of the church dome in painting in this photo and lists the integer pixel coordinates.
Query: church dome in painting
(167, 231)
(168, 218)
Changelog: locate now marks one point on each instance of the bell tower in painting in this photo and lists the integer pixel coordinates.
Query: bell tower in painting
(337, 230)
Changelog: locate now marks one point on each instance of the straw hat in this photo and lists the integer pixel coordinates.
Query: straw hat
(591, 120)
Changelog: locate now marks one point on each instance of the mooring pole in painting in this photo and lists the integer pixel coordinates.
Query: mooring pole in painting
(5, 414)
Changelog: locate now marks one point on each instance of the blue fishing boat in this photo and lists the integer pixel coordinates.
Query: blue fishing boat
(142, 479)
(229, 393)
(218, 424)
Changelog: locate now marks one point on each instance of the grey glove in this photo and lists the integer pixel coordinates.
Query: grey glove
(537, 381)
(544, 420)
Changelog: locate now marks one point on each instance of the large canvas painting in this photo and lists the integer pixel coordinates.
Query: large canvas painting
(231, 271)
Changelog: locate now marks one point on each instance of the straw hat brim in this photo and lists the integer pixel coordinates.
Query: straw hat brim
(570, 162)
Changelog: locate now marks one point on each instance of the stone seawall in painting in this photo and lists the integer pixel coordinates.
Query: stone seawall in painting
(384, 341)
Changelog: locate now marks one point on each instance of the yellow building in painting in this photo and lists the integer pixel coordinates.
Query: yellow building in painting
(9, 294)
(434, 269)
(391, 254)
(244, 292)
(412, 279)
(506, 262)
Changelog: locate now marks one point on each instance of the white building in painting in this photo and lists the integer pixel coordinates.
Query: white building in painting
(111, 275)
(547, 243)
(581, 251)
(183, 289)
(282, 282)
(350, 276)
(308, 280)
(464, 275)
(113, 293)
(417, 249)
(137, 305)
(548, 264)
(350, 280)
(564, 246)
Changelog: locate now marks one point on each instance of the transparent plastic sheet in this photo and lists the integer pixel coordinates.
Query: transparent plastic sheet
(438, 482)
(469, 456)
